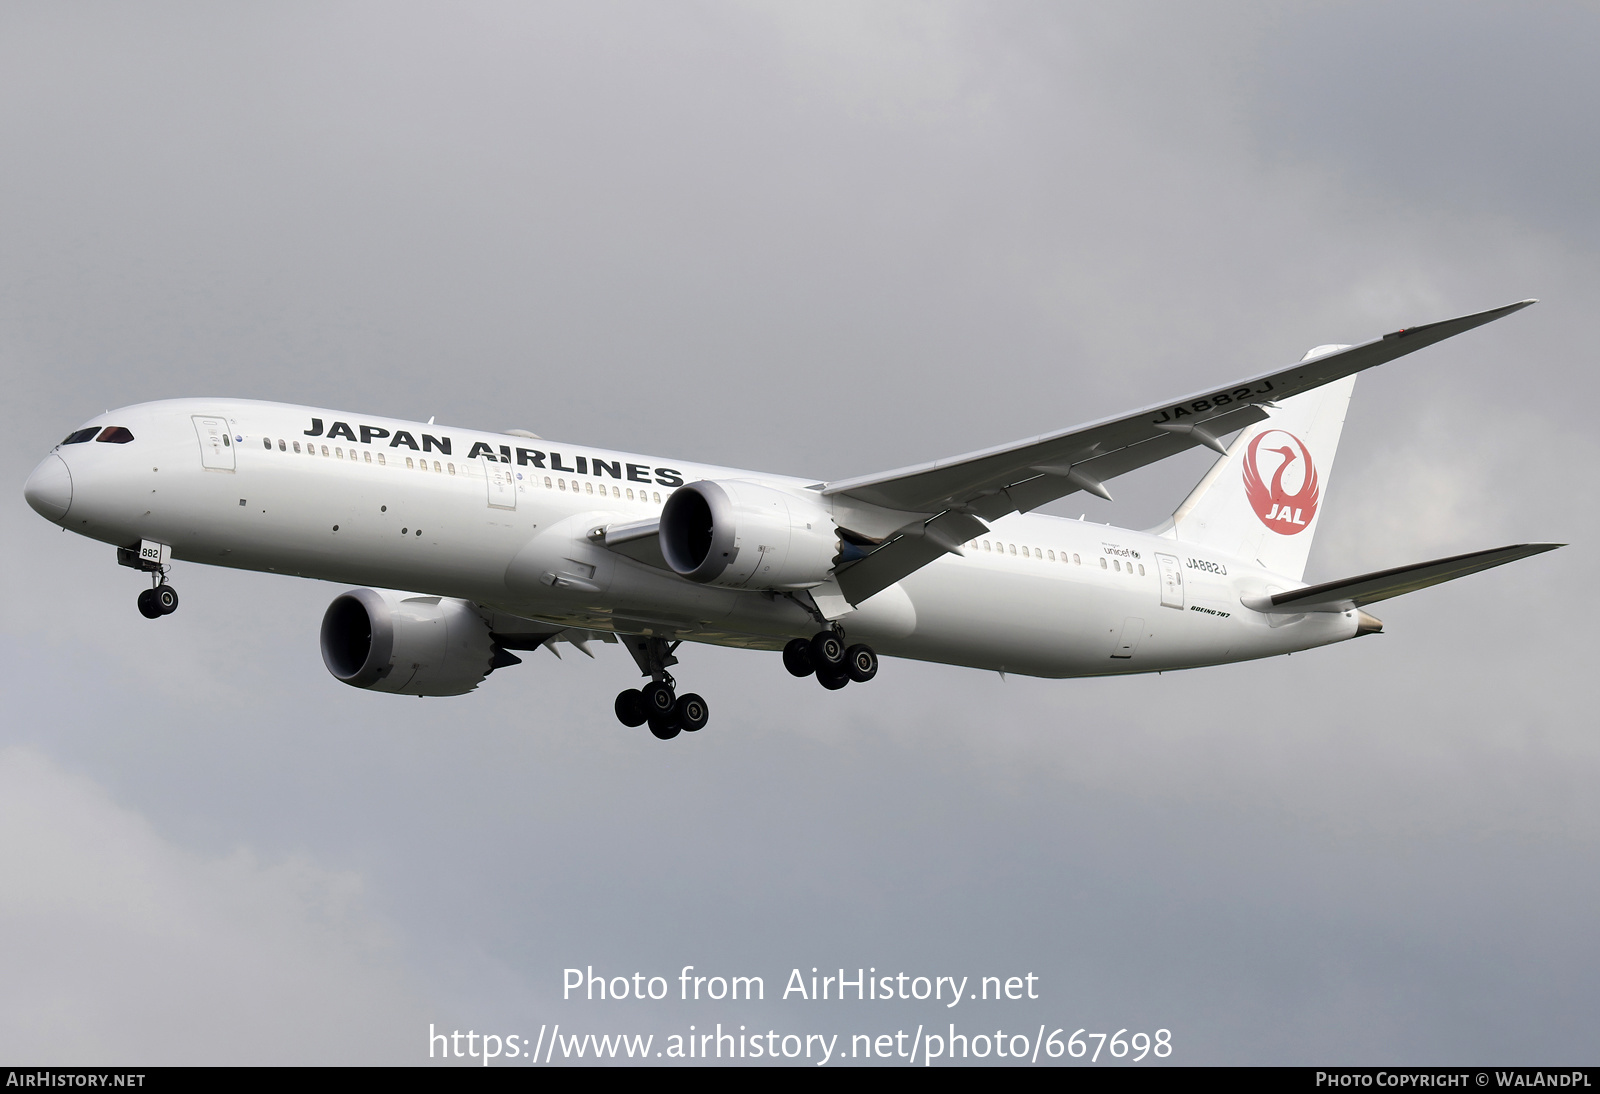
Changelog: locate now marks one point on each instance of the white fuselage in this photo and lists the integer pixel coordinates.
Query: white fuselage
(490, 517)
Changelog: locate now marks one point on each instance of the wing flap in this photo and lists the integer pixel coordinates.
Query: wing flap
(912, 548)
(1355, 592)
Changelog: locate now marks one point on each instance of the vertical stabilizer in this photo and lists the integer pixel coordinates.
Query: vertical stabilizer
(1262, 500)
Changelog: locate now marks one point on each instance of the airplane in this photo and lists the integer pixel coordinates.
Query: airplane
(509, 542)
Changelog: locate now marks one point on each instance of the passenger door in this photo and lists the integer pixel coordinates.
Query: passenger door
(1171, 582)
(501, 481)
(216, 446)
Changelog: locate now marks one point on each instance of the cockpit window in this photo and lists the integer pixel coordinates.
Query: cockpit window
(81, 435)
(115, 434)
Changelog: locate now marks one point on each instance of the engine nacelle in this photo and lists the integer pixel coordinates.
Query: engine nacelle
(405, 644)
(741, 535)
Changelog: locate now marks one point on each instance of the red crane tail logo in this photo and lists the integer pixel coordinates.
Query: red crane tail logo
(1285, 513)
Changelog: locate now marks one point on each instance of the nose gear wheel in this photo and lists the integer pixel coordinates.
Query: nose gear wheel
(160, 599)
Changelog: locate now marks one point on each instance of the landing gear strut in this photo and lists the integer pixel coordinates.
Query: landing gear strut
(658, 702)
(834, 664)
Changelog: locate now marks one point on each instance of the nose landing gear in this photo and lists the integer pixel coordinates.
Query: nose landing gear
(151, 558)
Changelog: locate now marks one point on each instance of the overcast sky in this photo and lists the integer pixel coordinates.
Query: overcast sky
(819, 239)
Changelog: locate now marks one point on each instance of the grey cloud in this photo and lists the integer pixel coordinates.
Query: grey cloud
(829, 240)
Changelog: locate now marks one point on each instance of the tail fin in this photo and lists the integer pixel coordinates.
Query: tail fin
(1262, 500)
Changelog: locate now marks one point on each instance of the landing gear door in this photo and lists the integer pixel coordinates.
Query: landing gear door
(502, 483)
(1171, 582)
(216, 446)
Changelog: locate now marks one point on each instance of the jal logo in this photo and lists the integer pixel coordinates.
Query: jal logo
(1288, 462)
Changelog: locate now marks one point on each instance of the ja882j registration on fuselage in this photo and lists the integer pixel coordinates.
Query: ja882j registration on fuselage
(471, 546)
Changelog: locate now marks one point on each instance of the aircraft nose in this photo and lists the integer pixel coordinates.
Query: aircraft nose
(49, 488)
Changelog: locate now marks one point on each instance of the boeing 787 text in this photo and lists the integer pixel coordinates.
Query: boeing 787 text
(471, 546)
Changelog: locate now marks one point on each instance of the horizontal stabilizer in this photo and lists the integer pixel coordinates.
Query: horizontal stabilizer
(1354, 592)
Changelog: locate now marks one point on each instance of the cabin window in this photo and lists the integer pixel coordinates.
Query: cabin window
(366, 457)
(437, 468)
(547, 482)
(588, 488)
(1052, 555)
(1117, 566)
(1141, 569)
(1103, 564)
(452, 468)
(324, 450)
(562, 483)
(986, 545)
(1037, 553)
(380, 459)
(339, 453)
(80, 435)
(281, 446)
(1013, 547)
(266, 442)
(409, 464)
(297, 447)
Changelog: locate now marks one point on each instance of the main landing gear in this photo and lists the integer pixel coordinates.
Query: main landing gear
(658, 704)
(833, 663)
(668, 714)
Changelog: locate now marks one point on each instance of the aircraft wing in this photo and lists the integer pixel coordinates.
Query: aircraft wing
(1354, 592)
(960, 492)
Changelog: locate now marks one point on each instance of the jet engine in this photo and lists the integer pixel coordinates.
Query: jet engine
(408, 644)
(741, 535)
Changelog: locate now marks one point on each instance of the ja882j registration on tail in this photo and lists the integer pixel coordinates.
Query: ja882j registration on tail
(470, 547)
